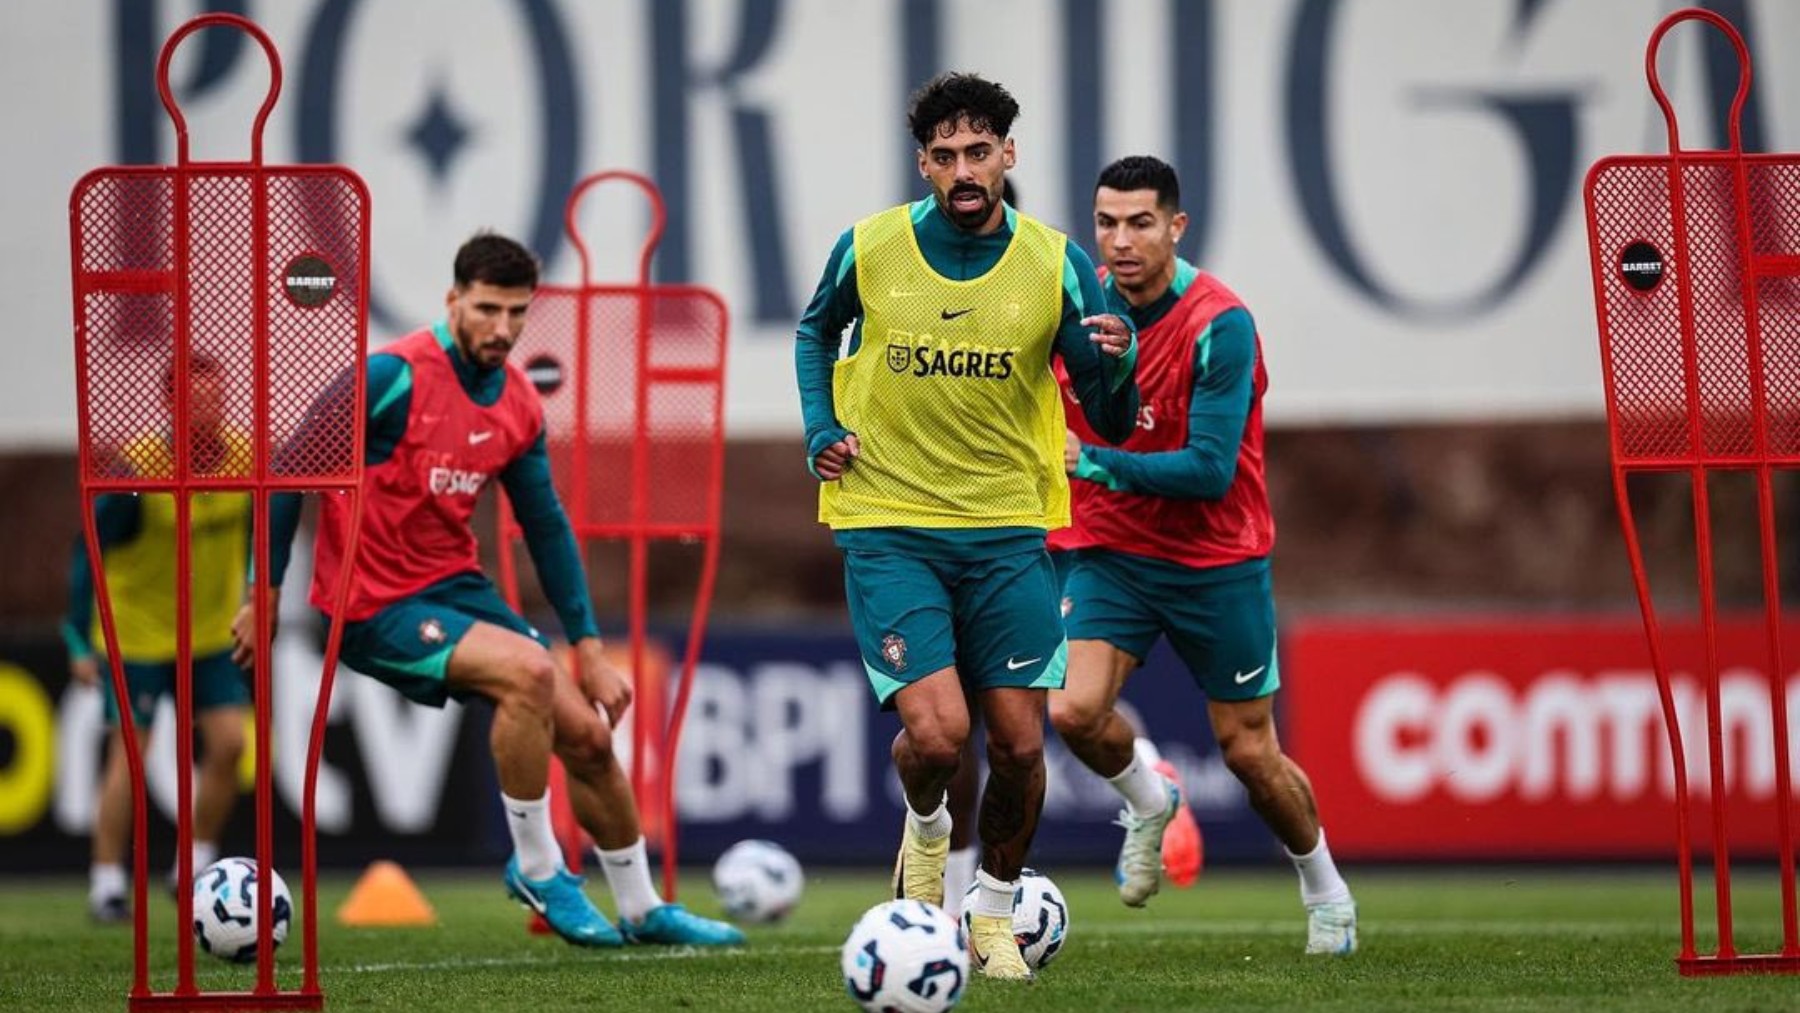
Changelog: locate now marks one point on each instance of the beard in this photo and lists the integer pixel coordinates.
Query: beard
(488, 354)
(967, 220)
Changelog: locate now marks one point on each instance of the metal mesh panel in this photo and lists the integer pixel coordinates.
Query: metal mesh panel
(1630, 203)
(593, 467)
(221, 275)
(1775, 225)
(1714, 264)
(125, 239)
(315, 220)
(681, 457)
(127, 294)
(1642, 330)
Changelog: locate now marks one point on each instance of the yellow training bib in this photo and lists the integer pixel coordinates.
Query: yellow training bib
(140, 573)
(950, 391)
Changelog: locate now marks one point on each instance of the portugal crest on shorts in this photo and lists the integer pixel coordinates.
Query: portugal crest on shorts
(893, 651)
(1068, 606)
(431, 631)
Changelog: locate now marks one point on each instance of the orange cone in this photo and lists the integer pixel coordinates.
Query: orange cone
(385, 896)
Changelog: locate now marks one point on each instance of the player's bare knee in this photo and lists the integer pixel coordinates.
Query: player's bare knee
(1252, 759)
(935, 745)
(531, 683)
(1076, 720)
(1015, 757)
(224, 744)
(586, 751)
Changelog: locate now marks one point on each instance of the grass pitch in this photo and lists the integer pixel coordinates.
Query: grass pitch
(1432, 939)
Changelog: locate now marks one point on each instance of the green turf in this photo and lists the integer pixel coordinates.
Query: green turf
(1431, 940)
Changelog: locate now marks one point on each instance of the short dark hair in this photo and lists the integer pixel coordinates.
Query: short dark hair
(1144, 172)
(497, 260)
(949, 98)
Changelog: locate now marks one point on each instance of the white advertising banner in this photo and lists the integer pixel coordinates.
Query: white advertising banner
(1392, 185)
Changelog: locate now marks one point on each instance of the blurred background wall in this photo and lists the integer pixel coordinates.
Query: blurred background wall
(1393, 186)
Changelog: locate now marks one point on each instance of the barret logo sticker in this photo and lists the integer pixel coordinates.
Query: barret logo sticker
(309, 280)
(545, 373)
(1641, 266)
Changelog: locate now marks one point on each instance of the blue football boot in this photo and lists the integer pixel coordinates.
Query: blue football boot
(563, 904)
(677, 926)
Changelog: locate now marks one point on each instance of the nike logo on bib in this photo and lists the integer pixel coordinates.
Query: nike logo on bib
(481, 437)
(948, 315)
(1014, 666)
(1243, 677)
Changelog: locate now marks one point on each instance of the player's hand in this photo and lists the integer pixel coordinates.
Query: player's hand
(243, 630)
(834, 460)
(1071, 452)
(1112, 334)
(600, 681)
(85, 670)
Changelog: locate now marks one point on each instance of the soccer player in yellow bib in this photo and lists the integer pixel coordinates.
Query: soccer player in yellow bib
(938, 440)
(137, 542)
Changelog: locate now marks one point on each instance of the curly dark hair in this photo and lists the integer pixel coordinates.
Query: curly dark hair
(497, 260)
(950, 98)
(1144, 172)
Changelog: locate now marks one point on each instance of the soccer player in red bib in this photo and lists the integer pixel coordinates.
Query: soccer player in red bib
(448, 415)
(1171, 537)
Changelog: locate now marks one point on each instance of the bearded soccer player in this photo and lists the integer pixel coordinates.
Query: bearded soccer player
(447, 413)
(938, 440)
(137, 554)
(1172, 536)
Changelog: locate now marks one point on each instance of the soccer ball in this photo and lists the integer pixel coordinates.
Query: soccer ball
(1040, 917)
(906, 956)
(225, 909)
(757, 881)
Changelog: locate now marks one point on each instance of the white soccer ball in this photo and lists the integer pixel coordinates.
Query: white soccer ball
(225, 909)
(906, 956)
(1040, 917)
(758, 881)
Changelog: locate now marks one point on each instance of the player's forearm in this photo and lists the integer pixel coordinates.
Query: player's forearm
(78, 617)
(812, 369)
(1105, 385)
(284, 522)
(550, 540)
(834, 305)
(1111, 412)
(1189, 473)
(564, 580)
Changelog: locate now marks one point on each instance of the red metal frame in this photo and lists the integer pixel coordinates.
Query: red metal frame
(1705, 413)
(639, 528)
(106, 387)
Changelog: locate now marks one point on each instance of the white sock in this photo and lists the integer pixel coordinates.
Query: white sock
(533, 840)
(205, 852)
(932, 826)
(628, 875)
(1146, 751)
(1319, 879)
(959, 872)
(1141, 787)
(995, 898)
(106, 880)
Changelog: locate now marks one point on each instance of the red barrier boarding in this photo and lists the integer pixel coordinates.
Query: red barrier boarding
(262, 272)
